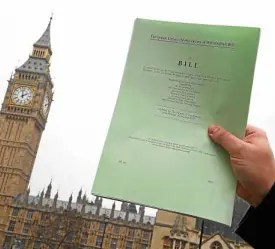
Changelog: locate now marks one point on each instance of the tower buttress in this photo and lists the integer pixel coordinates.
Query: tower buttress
(23, 118)
(124, 206)
(69, 207)
(113, 210)
(132, 208)
(49, 190)
(55, 200)
(79, 197)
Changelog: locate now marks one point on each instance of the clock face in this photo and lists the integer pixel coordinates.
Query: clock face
(22, 95)
(45, 105)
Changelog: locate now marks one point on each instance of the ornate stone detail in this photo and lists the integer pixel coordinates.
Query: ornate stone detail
(179, 227)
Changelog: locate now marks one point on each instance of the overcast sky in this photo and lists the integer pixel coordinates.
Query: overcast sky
(90, 42)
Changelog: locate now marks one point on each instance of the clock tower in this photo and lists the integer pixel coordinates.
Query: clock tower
(23, 117)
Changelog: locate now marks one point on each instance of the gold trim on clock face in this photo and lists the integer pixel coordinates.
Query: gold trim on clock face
(22, 95)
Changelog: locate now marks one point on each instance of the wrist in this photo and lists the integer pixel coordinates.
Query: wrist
(267, 185)
(262, 195)
(259, 199)
(267, 199)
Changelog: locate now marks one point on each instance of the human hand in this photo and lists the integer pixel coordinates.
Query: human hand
(252, 161)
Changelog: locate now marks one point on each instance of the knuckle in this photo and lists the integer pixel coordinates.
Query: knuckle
(237, 161)
(222, 134)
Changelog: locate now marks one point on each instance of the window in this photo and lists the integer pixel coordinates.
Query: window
(177, 244)
(11, 226)
(54, 234)
(84, 238)
(113, 244)
(101, 227)
(116, 229)
(193, 246)
(7, 242)
(166, 242)
(99, 241)
(129, 245)
(26, 228)
(71, 236)
(15, 211)
(216, 245)
(19, 243)
(41, 229)
(29, 214)
(144, 246)
(146, 235)
(131, 233)
(36, 245)
(44, 216)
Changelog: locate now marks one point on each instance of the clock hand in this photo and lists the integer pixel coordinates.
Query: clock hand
(23, 94)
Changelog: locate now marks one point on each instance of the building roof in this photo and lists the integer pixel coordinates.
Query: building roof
(34, 65)
(45, 39)
(38, 65)
(227, 232)
(89, 209)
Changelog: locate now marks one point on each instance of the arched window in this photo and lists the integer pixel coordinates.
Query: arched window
(167, 243)
(177, 244)
(216, 245)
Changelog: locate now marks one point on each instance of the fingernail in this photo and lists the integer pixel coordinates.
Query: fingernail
(212, 129)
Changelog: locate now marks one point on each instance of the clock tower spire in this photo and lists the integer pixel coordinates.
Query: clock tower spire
(23, 118)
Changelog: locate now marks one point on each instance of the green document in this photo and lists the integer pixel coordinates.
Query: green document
(178, 79)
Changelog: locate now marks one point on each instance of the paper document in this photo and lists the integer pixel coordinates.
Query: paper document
(178, 79)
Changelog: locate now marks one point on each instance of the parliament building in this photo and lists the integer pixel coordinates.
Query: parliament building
(46, 222)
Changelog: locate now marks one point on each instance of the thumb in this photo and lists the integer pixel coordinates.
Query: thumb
(225, 139)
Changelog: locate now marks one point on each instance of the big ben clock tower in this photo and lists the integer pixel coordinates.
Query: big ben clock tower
(23, 118)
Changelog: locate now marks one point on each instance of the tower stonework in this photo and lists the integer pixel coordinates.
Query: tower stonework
(23, 117)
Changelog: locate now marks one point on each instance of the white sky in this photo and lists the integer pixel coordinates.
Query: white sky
(90, 42)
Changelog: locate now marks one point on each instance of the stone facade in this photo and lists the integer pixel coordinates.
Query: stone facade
(174, 231)
(23, 118)
(45, 222)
